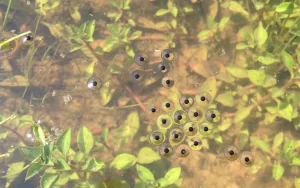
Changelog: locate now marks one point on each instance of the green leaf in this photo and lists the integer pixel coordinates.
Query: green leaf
(106, 93)
(288, 61)
(39, 134)
(89, 71)
(129, 51)
(47, 154)
(295, 161)
(104, 134)
(243, 139)
(288, 148)
(170, 178)
(62, 180)
(47, 180)
(62, 165)
(187, 9)
(123, 161)
(262, 145)
(226, 99)
(26, 119)
(260, 35)
(113, 28)
(128, 130)
(286, 110)
(93, 165)
(126, 5)
(85, 140)
(145, 174)
(209, 86)
(162, 12)
(277, 141)
(223, 23)
(174, 11)
(30, 152)
(283, 7)
(211, 22)
(297, 182)
(242, 46)
(131, 22)
(235, 7)
(13, 171)
(218, 139)
(268, 59)
(90, 28)
(75, 14)
(146, 155)
(277, 171)
(269, 81)
(135, 35)
(257, 77)
(205, 34)
(277, 92)
(63, 142)
(174, 23)
(237, 72)
(33, 170)
(298, 55)
(242, 113)
(110, 44)
(161, 24)
(125, 31)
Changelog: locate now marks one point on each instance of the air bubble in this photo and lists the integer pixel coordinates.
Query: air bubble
(94, 83)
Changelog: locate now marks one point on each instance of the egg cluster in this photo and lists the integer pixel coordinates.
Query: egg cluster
(183, 126)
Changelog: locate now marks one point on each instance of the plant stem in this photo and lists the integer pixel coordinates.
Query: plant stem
(6, 15)
(14, 38)
(7, 119)
(286, 34)
(288, 43)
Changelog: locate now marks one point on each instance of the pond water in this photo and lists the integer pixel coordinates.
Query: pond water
(152, 93)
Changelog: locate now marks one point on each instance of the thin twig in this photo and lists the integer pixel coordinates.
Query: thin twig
(6, 14)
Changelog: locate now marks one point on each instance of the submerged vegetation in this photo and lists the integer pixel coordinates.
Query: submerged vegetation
(130, 93)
